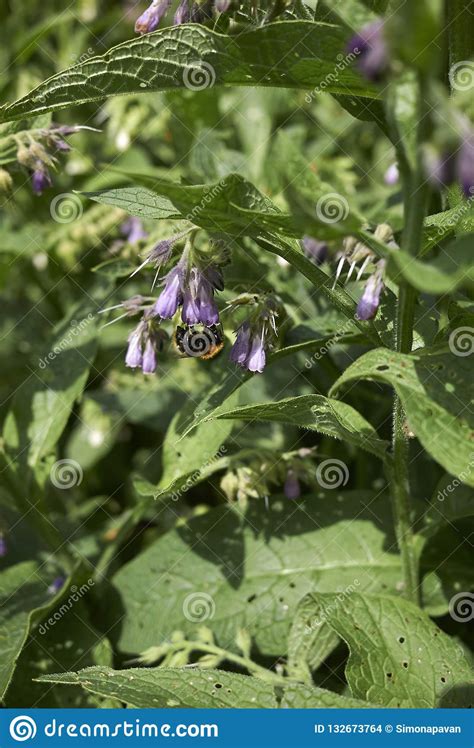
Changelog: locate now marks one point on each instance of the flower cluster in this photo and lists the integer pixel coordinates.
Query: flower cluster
(37, 149)
(358, 256)
(255, 336)
(186, 12)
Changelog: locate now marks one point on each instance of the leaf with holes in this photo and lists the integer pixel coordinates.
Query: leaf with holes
(398, 657)
(434, 386)
(231, 570)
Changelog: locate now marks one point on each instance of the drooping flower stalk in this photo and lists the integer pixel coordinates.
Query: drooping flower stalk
(255, 337)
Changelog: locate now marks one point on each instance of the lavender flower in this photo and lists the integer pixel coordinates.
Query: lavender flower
(440, 167)
(144, 344)
(40, 179)
(171, 297)
(150, 19)
(370, 46)
(3, 546)
(315, 250)
(199, 306)
(133, 230)
(240, 350)
(56, 585)
(370, 300)
(254, 337)
(465, 165)
(183, 13)
(392, 175)
(292, 488)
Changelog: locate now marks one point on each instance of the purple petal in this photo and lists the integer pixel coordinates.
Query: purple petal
(465, 166)
(40, 180)
(183, 13)
(241, 348)
(3, 546)
(134, 355)
(150, 19)
(371, 49)
(256, 359)
(171, 296)
(149, 362)
(292, 488)
(369, 303)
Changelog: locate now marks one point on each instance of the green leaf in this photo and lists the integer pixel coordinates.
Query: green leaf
(198, 688)
(310, 641)
(23, 598)
(317, 413)
(160, 688)
(232, 204)
(298, 696)
(433, 385)
(137, 201)
(452, 269)
(398, 657)
(290, 54)
(249, 571)
(43, 403)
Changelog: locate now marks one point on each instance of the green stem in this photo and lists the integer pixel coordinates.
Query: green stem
(415, 203)
(460, 23)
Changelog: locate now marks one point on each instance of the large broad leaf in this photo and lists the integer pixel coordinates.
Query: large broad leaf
(292, 54)
(317, 413)
(248, 571)
(398, 657)
(203, 689)
(173, 687)
(23, 597)
(434, 385)
(43, 402)
(232, 205)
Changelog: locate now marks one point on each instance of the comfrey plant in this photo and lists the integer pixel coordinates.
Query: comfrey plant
(291, 270)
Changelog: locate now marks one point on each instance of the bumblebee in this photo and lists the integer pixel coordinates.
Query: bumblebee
(199, 341)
